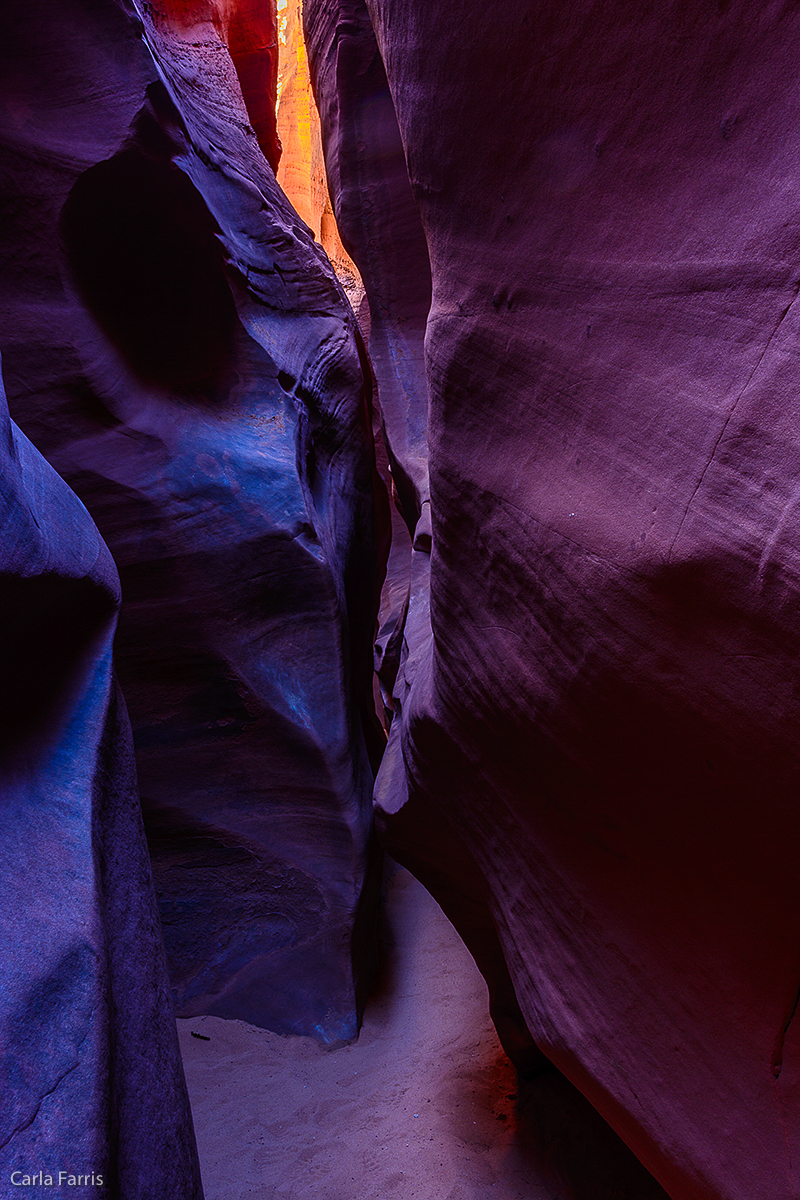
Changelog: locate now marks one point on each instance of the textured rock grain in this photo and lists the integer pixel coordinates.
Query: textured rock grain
(368, 178)
(607, 711)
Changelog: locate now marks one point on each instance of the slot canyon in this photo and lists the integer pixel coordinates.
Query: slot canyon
(400, 583)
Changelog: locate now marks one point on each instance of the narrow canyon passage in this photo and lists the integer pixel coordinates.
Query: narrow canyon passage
(424, 1106)
(399, 453)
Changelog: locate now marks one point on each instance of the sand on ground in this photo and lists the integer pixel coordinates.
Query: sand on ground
(424, 1106)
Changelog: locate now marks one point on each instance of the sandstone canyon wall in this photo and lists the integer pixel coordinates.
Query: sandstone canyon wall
(182, 353)
(380, 221)
(302, 170)
(577, 227)
(91, 1076)
(605, 703)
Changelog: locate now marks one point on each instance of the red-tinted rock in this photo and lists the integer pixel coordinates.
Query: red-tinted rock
(91, 1075)
(607, 711)
(249, 30)
(181, 351)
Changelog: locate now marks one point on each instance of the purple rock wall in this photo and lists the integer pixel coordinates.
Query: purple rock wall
(381, 229)
(606, 708)
(92, 1081)
(593, 754)
(380, 223)
(181, 351)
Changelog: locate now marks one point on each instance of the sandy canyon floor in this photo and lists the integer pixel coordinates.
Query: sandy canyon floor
(424, 1106)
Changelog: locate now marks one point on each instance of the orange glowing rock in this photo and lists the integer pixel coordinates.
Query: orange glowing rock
(302, 169)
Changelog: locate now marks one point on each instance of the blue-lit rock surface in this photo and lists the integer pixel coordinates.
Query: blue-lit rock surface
(91, 1077)
(181, 351)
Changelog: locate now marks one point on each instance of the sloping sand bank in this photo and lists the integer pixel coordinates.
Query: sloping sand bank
(425, 1106)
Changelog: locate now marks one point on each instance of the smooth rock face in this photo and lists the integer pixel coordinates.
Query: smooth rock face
(181, 351)
(379, 220)
(91, 1076)
(607, 708)
(374, 204)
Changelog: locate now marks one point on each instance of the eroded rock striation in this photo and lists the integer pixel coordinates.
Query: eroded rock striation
(248, 29)
(586, 215)
(183, 354)
(92, 1077)
(606, 707)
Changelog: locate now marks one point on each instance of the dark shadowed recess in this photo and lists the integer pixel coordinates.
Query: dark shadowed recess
(144, 254)
(577, 1152)
(51, 628)
(277, 905)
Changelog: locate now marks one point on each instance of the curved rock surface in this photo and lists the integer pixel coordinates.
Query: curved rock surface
(375, 209)
(92, 1077)
(607, 708)
(249, 31)
(380, 225)
(181, 351)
